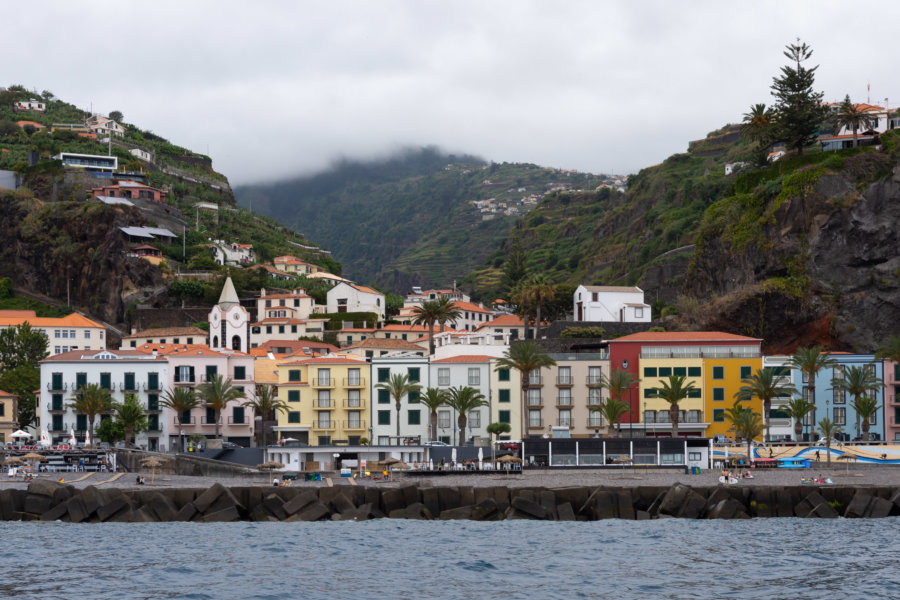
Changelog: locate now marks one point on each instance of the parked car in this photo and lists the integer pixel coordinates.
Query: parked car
(435, 443)
(230, 445)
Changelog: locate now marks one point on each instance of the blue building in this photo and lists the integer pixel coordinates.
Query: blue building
(838, 405)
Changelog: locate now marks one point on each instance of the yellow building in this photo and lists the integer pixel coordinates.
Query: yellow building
(506, 399)
(721, 382)
(327, 399)
(655, 410)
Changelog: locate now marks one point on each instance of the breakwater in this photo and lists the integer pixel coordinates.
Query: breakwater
(51, 501)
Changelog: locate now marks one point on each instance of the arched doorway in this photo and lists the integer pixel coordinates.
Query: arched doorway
(236, 343)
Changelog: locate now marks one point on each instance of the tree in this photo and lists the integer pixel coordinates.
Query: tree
(865, 408)
(464, 400)
(539, 289)
(747, 424)
(797, 409)
(673, 390)
(514, 269)
(91, 400)
(810, 361)
(448, 312)
(21, 383)
(524, 357)
(828, 430)
(758, 127)
(849, 115)
(130, 413)
(22, 345)
(613, 410)
(116, 116)
(519, 296)
(858, 381)
(180, 400)
(110, 431)
(798, 108)
(398, 386)
(266, 404)
(217, 393)
(433, 398)
(427, 315)
(765, 384)
(498, 429)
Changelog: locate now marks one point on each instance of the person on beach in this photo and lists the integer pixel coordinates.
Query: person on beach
(275, 482)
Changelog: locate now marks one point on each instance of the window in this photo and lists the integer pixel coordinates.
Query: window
(324, 419)
(565, 417)
(503, 395)
(414, 417)
(503, 375)
(474, 376)
(638, 313)
(80, 380)
(695, 393)
(680, 371)
(152, 381)
(595, 419)
(185, 417)
(840, 415)
(718, 394)
(595, 375)
(81, 422)
(534, 418)
(293, 395)
(746, 372)
(665, 371)
(695, 456)
(694, 372)
(281, 329)
(474, 419)
(353, 377)
(413, 397)
(873, 420)
(413, 374)
(210, 415)
(237, 415)
(57, 402)
(323, 398)
(87, 334)
(106, 381)
(503, 416)
(718, 415)
(240, 373)
(595, 396)
(534, 397)
(57, 423)
(324, 376)
(211, 372)
(718, 372)
(444, 419)
(649, 392)
(565, 396)
(129, 382)
(57, 381)
(294, 375)
(354, 399)
(534, 377)
(152, 402)
(354, 420)
(444, 376)
(384, 397)
(649, 371)
(294, 416)
(839, 396)
(564, 376)
(384, 375)
(384, 417)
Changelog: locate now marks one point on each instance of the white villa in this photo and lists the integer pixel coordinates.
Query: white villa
(610, 303)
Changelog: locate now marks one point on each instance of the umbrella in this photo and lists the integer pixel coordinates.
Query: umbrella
(400, 465)
(622, 460)
(508, 459)
(153, 463)
(35, 458)
(848, 458)
(13, 460)
(45, 438)
(21, 434)
(453, 456)
(480, 458)
(289, 439)
(390, 461)
(72, 441)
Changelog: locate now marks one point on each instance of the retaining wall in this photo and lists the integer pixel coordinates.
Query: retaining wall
(46, 500)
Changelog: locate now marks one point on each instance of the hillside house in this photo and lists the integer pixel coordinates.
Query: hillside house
(104, 126)
(880, 121)
(233, 254)
(33, 104)
(141, 154)
(604, 303)
(419, 297)
(72, 332)
(296, 266)
(131, 190)
(349, 297)
(295, 304)
(149, 253)
(95, 163)
(35, 124)
(166, 335)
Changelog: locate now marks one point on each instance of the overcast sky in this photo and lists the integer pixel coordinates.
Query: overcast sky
(273, 89)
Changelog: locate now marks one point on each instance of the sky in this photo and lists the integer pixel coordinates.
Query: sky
(274, 89)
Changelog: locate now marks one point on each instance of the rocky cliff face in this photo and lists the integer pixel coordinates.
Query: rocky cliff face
(827, 270)
(74, 250)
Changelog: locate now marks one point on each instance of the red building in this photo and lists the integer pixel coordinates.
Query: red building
(130, 190)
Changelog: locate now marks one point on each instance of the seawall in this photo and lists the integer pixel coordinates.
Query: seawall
(46, 500)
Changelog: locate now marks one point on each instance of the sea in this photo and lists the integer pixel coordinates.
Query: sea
(393, 559)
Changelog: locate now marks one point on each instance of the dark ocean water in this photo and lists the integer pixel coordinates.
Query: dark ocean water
(762, 558)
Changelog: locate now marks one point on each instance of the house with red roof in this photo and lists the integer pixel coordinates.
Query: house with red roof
(130, 190)
(295, 266)
(72, 332)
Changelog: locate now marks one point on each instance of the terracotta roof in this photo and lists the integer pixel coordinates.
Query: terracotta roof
(74, 355)
(357, 330)
(279, 321)
(474, 358)
(684, 336)
(504, 321)
(364, 289)
(167, 332)
(297, 345)
(469, 306)
(188, 350)
(407, 328)
(301, 294)
(265, 370)
(323, 360)
(387, 344)
(72, 320)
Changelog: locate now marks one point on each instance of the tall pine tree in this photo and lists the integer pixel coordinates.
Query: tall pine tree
(798, 108)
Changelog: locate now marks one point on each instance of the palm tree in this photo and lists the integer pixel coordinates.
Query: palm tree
(448, 312)
(217, 393)
(427, 315)
(524, 357)
(757, 125)
(748, 425)
(673, 390)
(463, 400)
(131, 414)
(619, 384)
(810, 361)
(180, 400)
(858, 381)
(865, 408)
(797, 409)
(765, 384)
(433, 398)
(91, 400)
(539, 289)
(828, 430)
(398, 386)
(849, 115)
(613, 410)
(266, 403)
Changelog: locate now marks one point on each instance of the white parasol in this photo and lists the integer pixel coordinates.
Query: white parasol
(20, 434)
(480, 459)
(72, 439)
(45, 438)
(87, 439)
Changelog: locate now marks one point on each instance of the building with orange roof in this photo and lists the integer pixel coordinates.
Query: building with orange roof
(472, 316)
(8, 416)
(34, 124)
(273, 272)
(304, 348)
(295, 266)
(349, 297)
(327, 398)
(350, 335)
(166, 335)
(271, 329)
(295, 304)
(418, 297)
(233, 254)
(72, 332)
(504, 328)
(880, 120)
(131, 190)
(373, 347)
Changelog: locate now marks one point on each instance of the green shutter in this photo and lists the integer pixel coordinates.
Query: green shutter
(293, 395)
(719, 415)
(746, 372)
(681, 371)
(152, 381)
(384, 375)
(152, 402)
(80, 380)
(413, 397)
(503, 416)
(129, 382)
(503, 396)
(294, 417)
(649, 371)
(294, 375)
(414, 417)
(413, 374)
(384, 397)
(719, 394)
(211, 371)
(694, 372)
(718, 372)
(238, 415)
(503, 374)
(665, 371)
(240, 372)
(384, 417)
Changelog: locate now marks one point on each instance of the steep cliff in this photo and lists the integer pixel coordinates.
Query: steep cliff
(813, 257)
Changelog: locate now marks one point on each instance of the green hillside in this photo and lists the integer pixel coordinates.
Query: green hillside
(409, 219)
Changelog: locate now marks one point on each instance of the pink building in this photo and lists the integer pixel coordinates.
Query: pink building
(131, 190)
(891, 401)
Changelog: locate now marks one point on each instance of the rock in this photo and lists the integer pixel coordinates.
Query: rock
(226, 515)
(625, 504)
(466, 495)
(187, 512)
(206, 500)
(315, 512)
(90, 497)
(37, 504)
(392, 499)
(108, 510)
(7, 505)
(275, 506)
(431, 500)
(76, 509)
(342, 504)
(60, 512)
(487, 510)
(162, 506)
(416, 510)
(879, 508)
(683, 502)
(565, 512)
(728, 508)
(300, 501)
(859, 505)
(547, 499)
(601, 505)
(529, 508)
(449, 498)
(410, 494)
(461, 513)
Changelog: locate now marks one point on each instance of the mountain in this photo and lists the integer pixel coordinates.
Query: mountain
(421, 217)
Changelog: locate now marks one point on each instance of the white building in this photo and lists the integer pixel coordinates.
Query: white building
(472, 371)
(120, 371)
(781, 427)
(228, 321)
(234, 254)
(141, 154)
(104, 126)
(33, 104)
(348, 297)
(610, 303)
(414, 416)
(72, 332)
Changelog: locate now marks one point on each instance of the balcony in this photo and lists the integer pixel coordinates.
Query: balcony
(323, 383)
(153, 408)
(325, 425)
(565, 381)
(58, 408)
(232, 420)
(177, 421)
(535, 381)
(534, 403)
(154, 428)
(354, 382)
(564, 422)
(124, 387)
(152, 388)
(59, 387)
(354, 403)
(594, 380)
(205, 421)
(322, 404)
(564, 401)
(352, 425)
(595, 422)
(535, 423)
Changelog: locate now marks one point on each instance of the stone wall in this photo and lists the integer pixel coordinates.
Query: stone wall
(46, 500)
